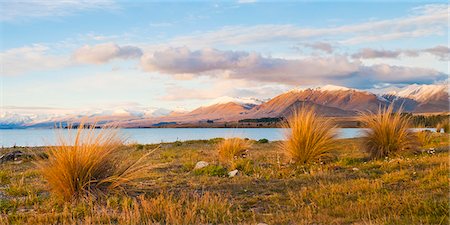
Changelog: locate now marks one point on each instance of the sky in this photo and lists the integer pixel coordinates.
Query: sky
(79, 54)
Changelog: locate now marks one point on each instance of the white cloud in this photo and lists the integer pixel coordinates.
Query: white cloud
(216, 88)
(20, 10)
(103, 53)
(425, 21)
(29, 59)
(255, 67)
(322, 46)
(440, 51)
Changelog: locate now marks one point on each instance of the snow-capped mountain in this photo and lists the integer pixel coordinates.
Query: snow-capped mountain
(330, 100)
(421, 98)
(248, 102)
(13, 117)
(420, 92)
(324, 88)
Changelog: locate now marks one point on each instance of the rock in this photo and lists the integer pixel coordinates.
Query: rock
(11, 156)
(200, 164)
(262, 224)
(355, 169)
(233, 173)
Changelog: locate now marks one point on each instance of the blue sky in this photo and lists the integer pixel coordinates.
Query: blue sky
(180, 54)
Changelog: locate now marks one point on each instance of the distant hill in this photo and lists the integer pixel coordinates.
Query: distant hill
(328, 100)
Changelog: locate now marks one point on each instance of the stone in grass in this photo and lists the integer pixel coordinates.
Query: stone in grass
(12, 156)
(233, 173)
(200, 164)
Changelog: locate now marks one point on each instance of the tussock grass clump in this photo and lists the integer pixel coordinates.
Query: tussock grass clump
(443, 125)
(388, 132)
(232, 148)
(311, 137)
(90, 164)
(424, 137)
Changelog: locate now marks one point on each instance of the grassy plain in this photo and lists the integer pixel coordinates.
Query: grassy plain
(350, 188)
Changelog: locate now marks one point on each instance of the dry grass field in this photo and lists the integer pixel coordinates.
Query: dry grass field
(410, 188)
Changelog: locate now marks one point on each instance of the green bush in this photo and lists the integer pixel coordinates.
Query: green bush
(212, 170)
(244, 165)
(263, 141)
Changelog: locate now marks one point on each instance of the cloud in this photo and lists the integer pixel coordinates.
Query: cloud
(425, 21)
(440, 51)
(212, 88)
(30, 59)
(368, 53)
(185, 61)
(102, 53)
(39, 57)
(322, 46)
(20, 10)
(443, 52)
(216, 88)
(252, 66)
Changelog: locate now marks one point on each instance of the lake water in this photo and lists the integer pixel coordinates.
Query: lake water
(43, 137)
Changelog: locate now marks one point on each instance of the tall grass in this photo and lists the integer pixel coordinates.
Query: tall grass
(311, 137)
(232, 148)
(443, 125)
(424, 138)
(388, 132)
(90, 164)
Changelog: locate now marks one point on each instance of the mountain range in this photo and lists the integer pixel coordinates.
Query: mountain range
(328, 100)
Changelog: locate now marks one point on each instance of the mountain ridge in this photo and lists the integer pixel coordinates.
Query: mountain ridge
(329, 100)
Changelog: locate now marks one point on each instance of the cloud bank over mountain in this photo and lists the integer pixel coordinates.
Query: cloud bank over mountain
(253, 66)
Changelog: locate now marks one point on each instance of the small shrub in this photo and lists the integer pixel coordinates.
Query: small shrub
(443, 125)
(212, 170)
(424, 137)
(263, 141)
(388, 132)
(215, 140)
(188, 166)
(139, 147)
(243, 165)
(311, 137)
(4, 177)
(17, 190)
(91, 164)
(232, 148)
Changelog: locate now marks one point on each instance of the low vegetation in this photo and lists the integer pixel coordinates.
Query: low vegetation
(310, 138)
(426, 120)
(444, 126)
(90, 165)
(424, 138)
(232, 149)
(387, 134)
(410, 188)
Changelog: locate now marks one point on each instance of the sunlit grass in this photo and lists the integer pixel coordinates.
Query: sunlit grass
(387, 134)
(311, 137)
(231, 149)
(91, 164)
(424, 137)
(408, 189)
(444, 125)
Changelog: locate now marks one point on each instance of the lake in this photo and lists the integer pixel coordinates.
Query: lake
(43, 137)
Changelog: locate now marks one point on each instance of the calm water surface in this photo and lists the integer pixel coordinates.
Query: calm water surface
(42, 137)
